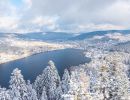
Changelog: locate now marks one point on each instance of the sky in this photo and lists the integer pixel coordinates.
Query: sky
(63, 15)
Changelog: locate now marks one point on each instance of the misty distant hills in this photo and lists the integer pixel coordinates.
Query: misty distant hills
(41, 36)
(46, 36)
(61, 36)
(99, 33)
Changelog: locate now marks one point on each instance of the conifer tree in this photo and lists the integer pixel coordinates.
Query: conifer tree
(18, 85)
(49, 79)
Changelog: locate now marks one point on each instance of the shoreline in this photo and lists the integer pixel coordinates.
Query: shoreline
(31, 55)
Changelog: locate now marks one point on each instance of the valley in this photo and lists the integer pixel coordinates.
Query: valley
(81, 66)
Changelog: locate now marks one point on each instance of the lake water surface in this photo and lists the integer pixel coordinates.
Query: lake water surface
(33, 65)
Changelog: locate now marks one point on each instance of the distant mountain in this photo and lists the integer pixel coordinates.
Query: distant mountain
(41, 36)
(46, 36)
(99, 33)
(61, 36)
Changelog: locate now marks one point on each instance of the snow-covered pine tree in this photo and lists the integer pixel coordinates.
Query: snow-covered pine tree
(118, 82)
(18, 86)
(102, 83)
(112, 82)
(5, 94)
(44, 96)
(38, 85)
(78, 86)
(58, 93)
(65, 81)
(32, 95)
(49, 79)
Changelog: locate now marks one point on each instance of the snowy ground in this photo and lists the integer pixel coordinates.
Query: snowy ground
(12, 48)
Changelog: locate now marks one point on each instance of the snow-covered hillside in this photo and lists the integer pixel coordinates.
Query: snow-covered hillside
(106, 77)
(14, 48)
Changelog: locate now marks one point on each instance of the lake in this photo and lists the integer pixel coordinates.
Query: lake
(33, 65)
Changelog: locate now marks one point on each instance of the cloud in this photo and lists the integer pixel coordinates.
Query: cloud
(28, 3)
(118, 13)
(94, 27)
(41, 21)
(65, 15)
(8, 22)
